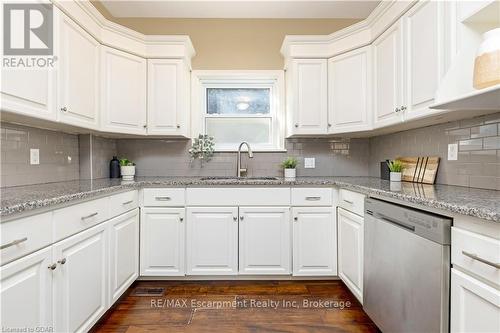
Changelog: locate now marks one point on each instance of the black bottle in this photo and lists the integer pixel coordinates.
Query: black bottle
(114, 168)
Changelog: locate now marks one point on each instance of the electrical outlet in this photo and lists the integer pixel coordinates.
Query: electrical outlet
(34, 156)
(309, 162)
(453, 152)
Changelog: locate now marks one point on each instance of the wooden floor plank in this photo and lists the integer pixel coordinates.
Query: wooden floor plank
(238, 306)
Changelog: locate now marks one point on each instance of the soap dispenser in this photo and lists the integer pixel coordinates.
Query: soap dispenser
(114, 168)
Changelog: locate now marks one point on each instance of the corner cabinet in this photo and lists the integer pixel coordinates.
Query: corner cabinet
(350, 91)
(264, 240)
(78, 76)
(168, 97)
(123, 92)
(388, 77)
(212, 241)
(307, 96)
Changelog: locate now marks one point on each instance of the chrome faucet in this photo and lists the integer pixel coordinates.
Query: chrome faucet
(239, 169)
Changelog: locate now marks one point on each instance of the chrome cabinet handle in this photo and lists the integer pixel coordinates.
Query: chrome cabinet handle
(64, 109)
(163, 198)
(52, 267)
(178, 126)
(397, 110)
(329, 125)
(89, 216)
(62, 261)
(181, 219)
(235, 218)
(14, 242)
(296, 125)
(145, 126)
(295, 218)
(241, 218)
(348, 201)
(403, 108)
(127, 202)
(484, 261)
(313, 198)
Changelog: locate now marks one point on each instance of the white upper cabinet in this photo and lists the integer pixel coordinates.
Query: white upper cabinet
(424, 56)
(168, 97)
(314, 241)
(264, 240)
(78, 75)
(349, 91)
(388, 77)
(212, 241)
(162, 241)
(123, 92)
(307, 96)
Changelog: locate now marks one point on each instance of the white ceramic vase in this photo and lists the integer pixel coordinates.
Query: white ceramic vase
(487, 62)
(290, 174)
(128, 172)
(395, 176)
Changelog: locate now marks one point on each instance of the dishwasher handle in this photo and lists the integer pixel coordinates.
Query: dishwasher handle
(395, 222)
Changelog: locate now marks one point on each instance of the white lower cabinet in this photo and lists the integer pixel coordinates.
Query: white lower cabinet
(350, 251)
(475, 306)
(314, 241)
(26, 291)
(80, 280)
(264, 240)
(162, 241)
(123, 253)
(212, 241)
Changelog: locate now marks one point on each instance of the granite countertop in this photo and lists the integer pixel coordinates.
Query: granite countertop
(479, 203)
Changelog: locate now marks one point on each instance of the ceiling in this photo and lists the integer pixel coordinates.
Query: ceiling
(293, 9)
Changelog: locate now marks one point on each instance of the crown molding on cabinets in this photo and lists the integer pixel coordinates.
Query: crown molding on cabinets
(347, 39)
(119, 37)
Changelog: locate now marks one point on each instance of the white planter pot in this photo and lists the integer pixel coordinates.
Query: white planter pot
(290, 174)
(128, 172)
(395, 176)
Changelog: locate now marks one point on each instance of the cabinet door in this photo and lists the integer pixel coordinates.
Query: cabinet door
(475, 306)
(123, 253)
(212, 241)
(350, 247)
(314, 241)
(80, 284)
(349, 91)
(264, 240)
(78, 80)
(124, 92)
(168, 97)
(26, 291)
(162, 242)
(309, 96)
(423, 27)
(387, 57)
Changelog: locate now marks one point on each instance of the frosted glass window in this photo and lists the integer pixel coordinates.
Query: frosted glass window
(238, 101)
(236, 130)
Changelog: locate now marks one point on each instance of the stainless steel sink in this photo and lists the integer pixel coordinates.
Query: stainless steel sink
(239, 178)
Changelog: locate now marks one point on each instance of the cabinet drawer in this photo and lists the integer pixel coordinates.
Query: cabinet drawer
(22, 236)
(476, 253)
(73, 219)
(312, 197)
(122, 202)
(162, 197)
(352, 201)
(238, 196)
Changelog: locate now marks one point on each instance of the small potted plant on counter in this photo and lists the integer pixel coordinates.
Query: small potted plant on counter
(127, 169)
(290, 165)
(395, 167)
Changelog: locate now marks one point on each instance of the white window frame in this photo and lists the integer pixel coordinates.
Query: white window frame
(272, 79)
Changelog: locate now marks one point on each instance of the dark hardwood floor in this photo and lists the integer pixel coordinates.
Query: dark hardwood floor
(238, 306)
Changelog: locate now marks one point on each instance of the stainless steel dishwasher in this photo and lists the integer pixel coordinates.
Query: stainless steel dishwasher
(406, 268)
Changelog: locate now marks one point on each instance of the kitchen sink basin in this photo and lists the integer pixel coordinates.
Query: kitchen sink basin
(239, 178)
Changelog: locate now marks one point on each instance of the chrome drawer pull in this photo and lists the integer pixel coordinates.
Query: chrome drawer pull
(62, 261)
(484, 261)
(127, 202)
(14, 242)
(313, 198)
(163, 198)
(52, 267)
(349, 202)
(89, 216)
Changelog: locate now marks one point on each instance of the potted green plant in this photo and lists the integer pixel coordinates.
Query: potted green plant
(395, 167)
(290, 165)
(127, 169)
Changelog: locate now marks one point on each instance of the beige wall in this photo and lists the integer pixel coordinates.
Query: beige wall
(234, 43)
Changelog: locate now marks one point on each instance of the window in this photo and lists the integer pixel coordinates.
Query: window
(235, 107)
